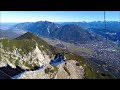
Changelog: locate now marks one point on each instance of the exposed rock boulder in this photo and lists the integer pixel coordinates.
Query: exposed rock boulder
(64, 71)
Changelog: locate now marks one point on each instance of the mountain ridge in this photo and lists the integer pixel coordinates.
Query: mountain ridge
(112, 26)
(69, 32)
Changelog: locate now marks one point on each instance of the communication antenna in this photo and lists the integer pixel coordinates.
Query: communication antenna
(106, 34)
(0, 25)
(119, 17)
(105, 25)
(119, 31)
(0, 20)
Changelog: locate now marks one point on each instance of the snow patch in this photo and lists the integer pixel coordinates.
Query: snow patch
(48, 30)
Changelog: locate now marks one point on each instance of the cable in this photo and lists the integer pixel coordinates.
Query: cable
(119, 17)
(119, 28)
(105, 25)
(0, 20)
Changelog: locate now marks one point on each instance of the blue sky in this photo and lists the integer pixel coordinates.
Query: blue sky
(57, 16)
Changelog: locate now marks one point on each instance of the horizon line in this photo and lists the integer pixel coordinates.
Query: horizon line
(59, 21)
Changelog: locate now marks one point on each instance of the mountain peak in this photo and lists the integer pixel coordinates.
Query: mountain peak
(71, 27)
(27, 35)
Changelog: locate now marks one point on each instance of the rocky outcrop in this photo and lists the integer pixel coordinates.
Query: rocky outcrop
(14, 58)
(67, 70)
(70, 70)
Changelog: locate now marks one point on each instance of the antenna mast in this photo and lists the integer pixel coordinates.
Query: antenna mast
(106, 35)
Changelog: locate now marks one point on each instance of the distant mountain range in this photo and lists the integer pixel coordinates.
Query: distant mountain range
(41, 28)
(11, 33)
(111, 25)
(72, 33)
(68, 32)
(5, 26)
